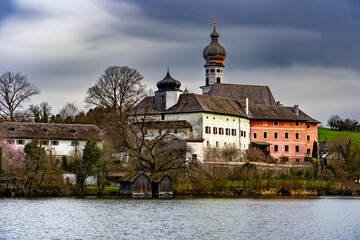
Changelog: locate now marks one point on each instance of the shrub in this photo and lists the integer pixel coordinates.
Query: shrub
(311, 160)
(284, 159)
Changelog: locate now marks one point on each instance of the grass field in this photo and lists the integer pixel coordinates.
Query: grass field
(331, 135)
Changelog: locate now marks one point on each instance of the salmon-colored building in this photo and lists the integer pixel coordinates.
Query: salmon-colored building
(276, 130)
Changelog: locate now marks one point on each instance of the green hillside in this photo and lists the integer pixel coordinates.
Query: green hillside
(330, 135)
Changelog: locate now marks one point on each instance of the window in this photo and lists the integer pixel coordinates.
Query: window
(286, 135)
(308, 125)
(12, 129)
(72, 130)
(218, 80)
(308, 151)
(207, 130)
(227, 130)
(55, 143)
(276, 123)
(217, 144)
(297, 160)
(212, 70)
(45, 142)
(10, 141)
(218, 70)
(221, 131)
(244, 133)
(297, 135)
(207, 80)
(276, 135)
(76, 143)
(224, 144)
(233, 132)
(297, 149)
(255, 135)
(276, 148)
(208, 143)
(286, 148)
(297, 123)
(214, 130)
(175, 131)
(162, 116)
(20, 142)
(308, 137)
(265, 134)
(44, 129)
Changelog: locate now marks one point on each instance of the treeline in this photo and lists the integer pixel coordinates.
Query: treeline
(336, 123)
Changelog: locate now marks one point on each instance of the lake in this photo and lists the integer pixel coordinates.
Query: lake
(188, 218)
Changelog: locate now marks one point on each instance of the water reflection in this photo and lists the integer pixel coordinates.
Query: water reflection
(205, 218)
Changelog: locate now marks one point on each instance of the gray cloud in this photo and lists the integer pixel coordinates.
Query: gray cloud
(310, 47)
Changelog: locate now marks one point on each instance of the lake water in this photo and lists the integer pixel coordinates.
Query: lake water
(198, 218)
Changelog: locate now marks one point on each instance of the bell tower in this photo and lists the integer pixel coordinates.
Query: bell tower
(214, 55)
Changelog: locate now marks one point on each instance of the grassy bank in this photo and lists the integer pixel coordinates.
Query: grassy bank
(330, 135)
(269, 187)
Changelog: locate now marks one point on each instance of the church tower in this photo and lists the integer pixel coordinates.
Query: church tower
(214, 55)
(168, 93)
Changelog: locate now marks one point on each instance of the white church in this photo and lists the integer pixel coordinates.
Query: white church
(213, 122)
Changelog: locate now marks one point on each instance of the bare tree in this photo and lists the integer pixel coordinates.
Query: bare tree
(14, 90)
(119, 88)
(69, 112)
(41, 113)
(153, 146)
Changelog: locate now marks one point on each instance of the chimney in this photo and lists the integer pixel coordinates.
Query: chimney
(244, 102)
(296, 109)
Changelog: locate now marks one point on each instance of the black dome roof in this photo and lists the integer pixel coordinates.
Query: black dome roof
(168, 83)
(214, 53)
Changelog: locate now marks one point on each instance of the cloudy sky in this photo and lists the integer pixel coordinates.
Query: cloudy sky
(307, 51)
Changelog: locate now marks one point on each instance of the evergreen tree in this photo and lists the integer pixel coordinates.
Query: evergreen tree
(315, 150)
(85, 167)
(1, 169)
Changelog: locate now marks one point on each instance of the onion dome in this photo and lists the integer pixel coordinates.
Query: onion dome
(168, 83)
(214, 53)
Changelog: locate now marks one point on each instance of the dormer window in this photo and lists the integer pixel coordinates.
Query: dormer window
(44, 129)
(12, 129)
(72, 130)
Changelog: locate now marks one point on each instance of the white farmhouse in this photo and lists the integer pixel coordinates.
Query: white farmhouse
(59, 139)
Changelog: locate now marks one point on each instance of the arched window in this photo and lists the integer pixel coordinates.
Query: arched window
(218, 80)
(207, 81)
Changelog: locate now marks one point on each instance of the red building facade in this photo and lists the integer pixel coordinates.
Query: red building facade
(286, 138)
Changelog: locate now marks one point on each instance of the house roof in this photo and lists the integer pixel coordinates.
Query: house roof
(130, 176)
(188, 103)
(305, 116)
(49, 131)
(176, 124)
(273, 112)
(156, 177)
(256, 94)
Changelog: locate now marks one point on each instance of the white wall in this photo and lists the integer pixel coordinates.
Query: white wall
(64, 147)
(226, 121)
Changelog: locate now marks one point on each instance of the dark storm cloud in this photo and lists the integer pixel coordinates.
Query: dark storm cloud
(311, 32)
